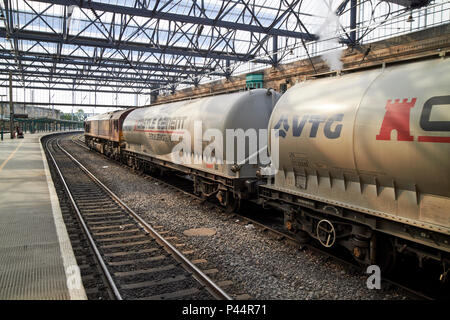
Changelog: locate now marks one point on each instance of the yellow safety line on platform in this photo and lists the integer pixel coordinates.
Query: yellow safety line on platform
(10, 156)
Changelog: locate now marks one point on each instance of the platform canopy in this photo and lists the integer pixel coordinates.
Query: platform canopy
(142, 46)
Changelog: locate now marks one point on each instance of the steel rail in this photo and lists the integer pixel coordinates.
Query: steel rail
(189, 266)
(92, 244)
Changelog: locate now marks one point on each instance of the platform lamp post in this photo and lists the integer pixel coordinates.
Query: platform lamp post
(3, 111)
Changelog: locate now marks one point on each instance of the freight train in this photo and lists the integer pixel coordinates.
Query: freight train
(363, 159)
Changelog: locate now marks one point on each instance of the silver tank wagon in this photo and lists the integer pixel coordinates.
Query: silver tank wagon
(370, 147)
(148, 131)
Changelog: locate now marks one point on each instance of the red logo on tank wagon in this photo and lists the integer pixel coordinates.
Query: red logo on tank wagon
(397, 118)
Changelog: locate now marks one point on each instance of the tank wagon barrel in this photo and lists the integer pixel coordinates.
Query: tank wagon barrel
(367, 152)
(176, 136)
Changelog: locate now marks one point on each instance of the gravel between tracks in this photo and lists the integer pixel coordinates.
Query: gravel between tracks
(257, 265)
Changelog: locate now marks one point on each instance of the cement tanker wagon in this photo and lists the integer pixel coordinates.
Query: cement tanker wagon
(148, 134)
(367, 155)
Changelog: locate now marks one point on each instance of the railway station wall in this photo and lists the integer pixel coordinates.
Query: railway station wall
(430, 42)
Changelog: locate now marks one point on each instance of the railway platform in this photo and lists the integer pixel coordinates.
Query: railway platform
(36, 256)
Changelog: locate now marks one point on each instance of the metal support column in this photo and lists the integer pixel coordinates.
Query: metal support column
(11, 107)
(275, 50)
(228, 69)
(353, 5)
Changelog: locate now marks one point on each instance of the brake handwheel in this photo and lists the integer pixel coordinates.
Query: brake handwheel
(326, 234)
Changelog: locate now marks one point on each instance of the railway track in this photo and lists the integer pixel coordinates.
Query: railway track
(136, 262)
(272, 230)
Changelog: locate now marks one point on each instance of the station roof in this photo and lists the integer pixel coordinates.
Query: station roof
(141, 46)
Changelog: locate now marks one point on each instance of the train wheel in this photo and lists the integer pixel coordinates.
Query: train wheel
(302, 236)
(386, 255)
(233, 204)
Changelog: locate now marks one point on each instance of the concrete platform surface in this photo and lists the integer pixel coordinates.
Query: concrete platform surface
(36, 256)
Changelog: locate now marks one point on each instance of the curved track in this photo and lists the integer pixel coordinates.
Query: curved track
(136, 261)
